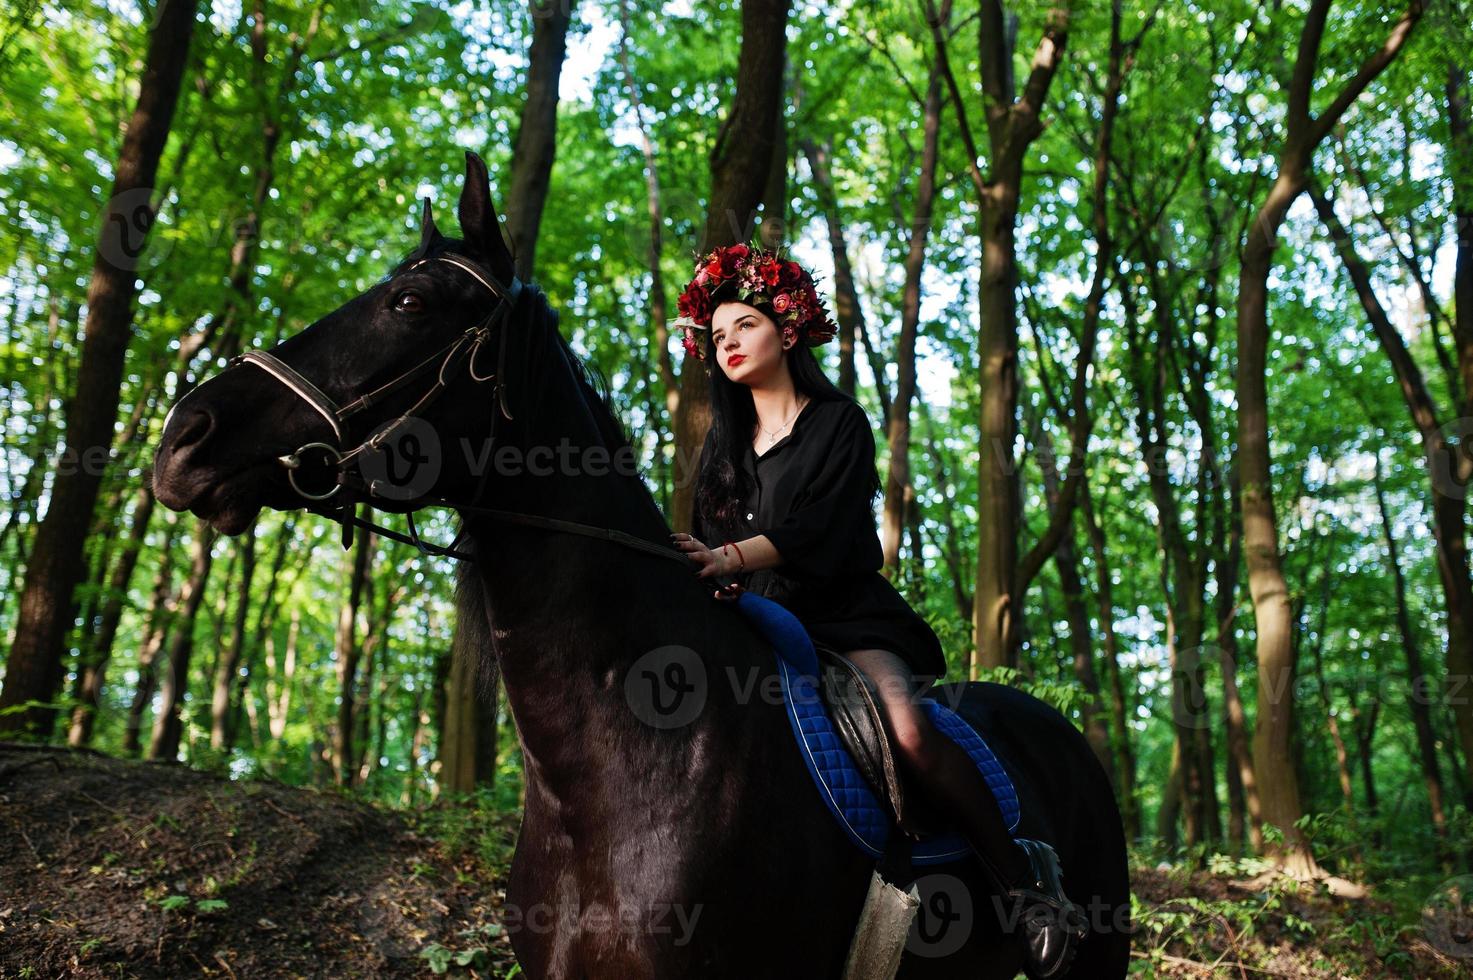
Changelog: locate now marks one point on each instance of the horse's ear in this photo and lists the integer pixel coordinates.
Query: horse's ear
(428, 233)
(479, 223)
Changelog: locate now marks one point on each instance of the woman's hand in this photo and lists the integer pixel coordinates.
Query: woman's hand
(713, 563)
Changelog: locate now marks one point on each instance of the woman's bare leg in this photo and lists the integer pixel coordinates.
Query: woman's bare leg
(942, 767)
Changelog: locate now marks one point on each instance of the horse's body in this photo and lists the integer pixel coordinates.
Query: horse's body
(697, 849)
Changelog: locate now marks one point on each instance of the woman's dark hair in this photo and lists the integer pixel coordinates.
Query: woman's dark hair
(722, 486)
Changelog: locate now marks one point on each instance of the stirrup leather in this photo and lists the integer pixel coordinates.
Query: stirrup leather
(853, 704)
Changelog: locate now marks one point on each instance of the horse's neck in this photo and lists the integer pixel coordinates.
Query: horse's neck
(569, 613)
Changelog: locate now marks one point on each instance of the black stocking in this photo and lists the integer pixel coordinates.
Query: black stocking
(942, 768)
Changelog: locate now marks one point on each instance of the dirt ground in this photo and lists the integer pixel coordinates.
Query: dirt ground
(114, 868)
(1195, 924)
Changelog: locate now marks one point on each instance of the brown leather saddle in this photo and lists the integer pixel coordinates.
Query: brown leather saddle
(853, 704)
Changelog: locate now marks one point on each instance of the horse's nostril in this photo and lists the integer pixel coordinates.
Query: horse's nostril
(194, 428)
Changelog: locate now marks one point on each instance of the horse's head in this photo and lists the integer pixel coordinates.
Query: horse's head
(366, 403)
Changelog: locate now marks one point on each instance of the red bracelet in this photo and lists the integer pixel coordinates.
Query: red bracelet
(743, 561)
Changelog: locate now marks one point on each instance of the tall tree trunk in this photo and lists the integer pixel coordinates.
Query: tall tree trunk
(1273, 750)
(347, 651)
(1365, 731)
(34, 668)
(279, 685)
(536, 145)
(1171, 808)
(741, 161)
(1183, 567)
(773, 231)
(916, 580)
(1449, 478)
(659, 309)
(1246, 814)
(1013, 123)
(162, 607)
(1125, 795)
(108, 519)
(847, 311)
(1419, 684)
(951, 536)
(167, 725)
(1081, 639)
(530, 180)
(94, 671)
(363, 708)
(1460, 171)
(420, 724)
(457, 749)
(240, 696)
(897, 434)
(228, 666)
(1332, 720)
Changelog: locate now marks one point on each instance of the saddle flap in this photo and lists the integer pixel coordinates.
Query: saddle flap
(853, 704)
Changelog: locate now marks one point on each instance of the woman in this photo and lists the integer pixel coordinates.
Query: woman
(783, 502)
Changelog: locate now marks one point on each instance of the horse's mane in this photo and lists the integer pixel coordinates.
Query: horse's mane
(595, 390)
(473, 637)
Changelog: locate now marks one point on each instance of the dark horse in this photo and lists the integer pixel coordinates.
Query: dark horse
(691, 850)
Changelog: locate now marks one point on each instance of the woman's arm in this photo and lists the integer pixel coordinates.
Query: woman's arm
(747, 555)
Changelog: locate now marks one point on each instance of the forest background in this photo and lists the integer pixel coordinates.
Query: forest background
(1163, 314)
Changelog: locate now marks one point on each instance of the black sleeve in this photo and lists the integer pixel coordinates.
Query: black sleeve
(834, 511)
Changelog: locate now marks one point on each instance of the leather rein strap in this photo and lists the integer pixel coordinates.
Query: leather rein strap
(463, 348)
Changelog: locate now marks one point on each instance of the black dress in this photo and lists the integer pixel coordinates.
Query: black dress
(810, 498)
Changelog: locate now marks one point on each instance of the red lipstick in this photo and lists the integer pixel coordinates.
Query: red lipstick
(736, 359)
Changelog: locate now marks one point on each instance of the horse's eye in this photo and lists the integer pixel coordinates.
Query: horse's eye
(409, 302)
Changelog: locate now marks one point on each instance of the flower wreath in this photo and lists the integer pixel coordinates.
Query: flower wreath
(759, 276)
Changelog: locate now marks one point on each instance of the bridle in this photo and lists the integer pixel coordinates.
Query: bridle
(463, 348)
(443, 363)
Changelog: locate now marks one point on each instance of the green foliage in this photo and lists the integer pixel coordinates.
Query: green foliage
(473, 951)
(471, 824)
(203, 906)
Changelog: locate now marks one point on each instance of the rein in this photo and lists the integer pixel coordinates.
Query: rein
(464, 349)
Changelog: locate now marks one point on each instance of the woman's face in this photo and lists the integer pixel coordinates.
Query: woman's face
(749, 347)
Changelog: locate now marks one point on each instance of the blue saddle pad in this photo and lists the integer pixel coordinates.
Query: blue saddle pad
(864, 818)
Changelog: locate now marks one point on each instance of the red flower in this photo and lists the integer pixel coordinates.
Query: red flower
(695, 303)
(771, 271)
(725, 262)
(691, 345)
(781, 302)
